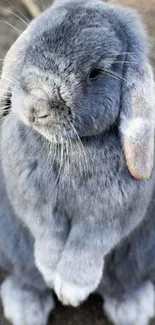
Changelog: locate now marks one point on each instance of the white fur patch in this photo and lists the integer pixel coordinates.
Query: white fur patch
(25, 307)
(71, 294)
(136, 128)
(136, 309)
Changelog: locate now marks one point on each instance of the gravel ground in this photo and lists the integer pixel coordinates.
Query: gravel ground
(89, 313)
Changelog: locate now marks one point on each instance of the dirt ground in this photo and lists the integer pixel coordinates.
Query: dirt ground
(89, 313)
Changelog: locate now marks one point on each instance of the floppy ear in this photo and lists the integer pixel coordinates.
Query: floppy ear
(137, 120)
(11, 62)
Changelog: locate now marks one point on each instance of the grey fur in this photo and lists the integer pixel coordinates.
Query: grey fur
(70, 192)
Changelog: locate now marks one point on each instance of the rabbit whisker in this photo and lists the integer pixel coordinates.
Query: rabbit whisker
(60, 148)
(67, 155)
(125, 62)
(51, 149)
(80, 146)
(6, 90)
(113, 74)
(71, 149)
(2, 118)
(15, 82)
(67, 152)
(4, 108)
(118, 53)
(15, 28)
(110, 74)
(61, 159)
(18, 11)
(6, 105)
(4, 97)
(49, 152)
(11, 12)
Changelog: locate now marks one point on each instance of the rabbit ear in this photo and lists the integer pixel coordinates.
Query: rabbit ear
(11, 62)
(137, 120)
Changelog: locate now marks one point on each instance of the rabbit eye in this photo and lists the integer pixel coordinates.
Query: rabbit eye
(95, 73)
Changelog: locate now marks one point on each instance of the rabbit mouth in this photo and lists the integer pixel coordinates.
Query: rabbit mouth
(56, 132)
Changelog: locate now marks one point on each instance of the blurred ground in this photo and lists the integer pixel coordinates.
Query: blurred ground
(91, 312)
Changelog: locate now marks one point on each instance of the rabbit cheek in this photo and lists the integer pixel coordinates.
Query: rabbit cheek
(18, 109)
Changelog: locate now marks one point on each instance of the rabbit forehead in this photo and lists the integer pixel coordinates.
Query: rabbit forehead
(80, 36)
(77, 50)
(83, 32)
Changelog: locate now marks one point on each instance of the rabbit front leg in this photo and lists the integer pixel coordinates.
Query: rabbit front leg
(81, 265)
(50, 239)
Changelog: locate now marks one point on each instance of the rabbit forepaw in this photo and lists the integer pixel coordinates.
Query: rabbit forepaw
(72, 293)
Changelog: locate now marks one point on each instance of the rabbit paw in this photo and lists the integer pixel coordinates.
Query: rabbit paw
(23, 305)
(70, 293)
(136, 309)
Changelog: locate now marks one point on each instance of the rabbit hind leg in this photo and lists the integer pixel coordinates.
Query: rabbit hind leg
(24, 305)
(25, 298)
(134, 308)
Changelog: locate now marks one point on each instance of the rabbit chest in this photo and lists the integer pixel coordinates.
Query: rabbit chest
(85, 177)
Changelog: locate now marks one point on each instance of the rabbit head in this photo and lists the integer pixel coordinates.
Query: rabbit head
(79, 69)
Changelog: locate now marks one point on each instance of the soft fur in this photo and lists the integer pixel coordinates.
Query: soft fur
(70, 147)
(24, 305)
(136, 307)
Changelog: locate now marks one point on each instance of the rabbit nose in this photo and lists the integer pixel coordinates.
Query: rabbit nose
(35, 116)
(36, 109)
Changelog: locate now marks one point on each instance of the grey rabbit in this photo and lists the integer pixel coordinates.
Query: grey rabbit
(77, 165)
